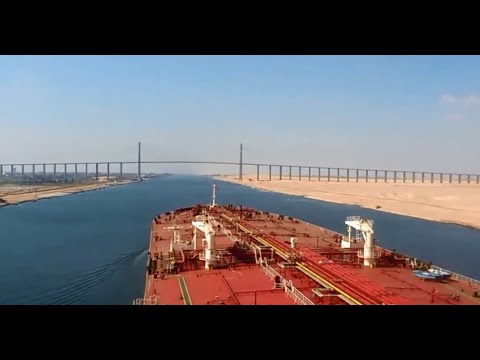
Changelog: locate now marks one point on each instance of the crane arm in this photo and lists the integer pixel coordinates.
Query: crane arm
(363, 225)
(205, 227)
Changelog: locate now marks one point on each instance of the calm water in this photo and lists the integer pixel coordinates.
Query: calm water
(90, 248)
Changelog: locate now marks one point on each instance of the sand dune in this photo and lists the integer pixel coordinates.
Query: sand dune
(455, 203)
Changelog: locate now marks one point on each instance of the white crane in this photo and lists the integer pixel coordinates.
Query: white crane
(203, 224)
(366, 227)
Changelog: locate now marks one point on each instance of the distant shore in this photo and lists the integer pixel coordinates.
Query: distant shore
(442, 202)
(13, 194)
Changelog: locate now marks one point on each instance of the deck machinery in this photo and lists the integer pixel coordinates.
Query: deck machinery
(226, 254)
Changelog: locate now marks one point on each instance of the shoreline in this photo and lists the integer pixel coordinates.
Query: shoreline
(47, 192)
(453, 204)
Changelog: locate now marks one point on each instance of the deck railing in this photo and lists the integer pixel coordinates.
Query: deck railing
(145, 301)
(295, 294)
(455, 276)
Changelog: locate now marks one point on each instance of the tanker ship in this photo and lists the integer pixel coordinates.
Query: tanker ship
(211, 254)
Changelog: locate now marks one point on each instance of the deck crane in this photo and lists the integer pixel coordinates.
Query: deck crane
(366, 228)
(203, 224)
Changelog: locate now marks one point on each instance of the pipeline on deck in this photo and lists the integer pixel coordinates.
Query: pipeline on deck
(307, 261)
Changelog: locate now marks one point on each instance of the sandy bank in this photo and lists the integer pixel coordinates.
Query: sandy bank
(15, 194)
(453, 203)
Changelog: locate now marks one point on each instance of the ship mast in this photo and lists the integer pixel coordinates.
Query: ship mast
(214, 194)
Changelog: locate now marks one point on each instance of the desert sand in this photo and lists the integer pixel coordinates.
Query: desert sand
(14, 194)
(442, 202)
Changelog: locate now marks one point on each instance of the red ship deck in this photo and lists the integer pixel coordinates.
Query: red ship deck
(318, 271)
(229, 287)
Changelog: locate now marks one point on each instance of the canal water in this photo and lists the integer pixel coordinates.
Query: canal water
(91, 248)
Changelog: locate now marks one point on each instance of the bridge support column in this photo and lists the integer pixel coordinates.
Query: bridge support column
(348, 175)
(366, 175)
(240, 173)
(385, 173)
(1, 170)
(65, 170)
(404, 176)
(441, 178)
(290, 173)
(108, 171)
(328, 174)
(23, 170)
(459, 178)
(431, 177)
(76, 170)
(423, 177)
(413, 176)
(121, 170)
(450, 178)
(376, 175)
(300, 173)
(468, 179)
(258, 172)
(140, 161)
(357, 172)
(96, 171)
(394, 176)
(44, 170)
(280, 172)
(338, 174)
(54, 171)
(269, 172)
(309, 173)
(319, 175)
(33, 173)
(478, 179)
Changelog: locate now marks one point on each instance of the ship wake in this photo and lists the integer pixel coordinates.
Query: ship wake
(77, 287)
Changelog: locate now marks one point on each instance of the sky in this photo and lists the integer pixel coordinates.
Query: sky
(416, 113)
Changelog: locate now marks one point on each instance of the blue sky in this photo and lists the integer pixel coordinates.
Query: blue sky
(394, 112)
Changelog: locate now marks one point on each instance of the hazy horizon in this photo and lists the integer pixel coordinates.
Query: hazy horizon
(377, 112)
